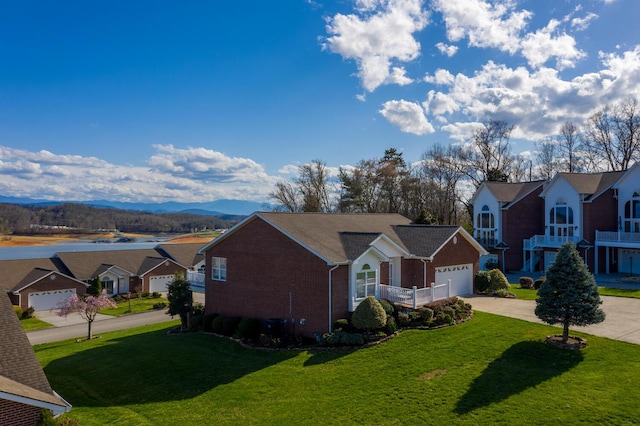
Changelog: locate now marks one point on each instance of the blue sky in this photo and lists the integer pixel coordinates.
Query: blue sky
(200, 101)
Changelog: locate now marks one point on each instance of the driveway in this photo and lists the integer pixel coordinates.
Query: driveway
(74, 318)
(622, 315)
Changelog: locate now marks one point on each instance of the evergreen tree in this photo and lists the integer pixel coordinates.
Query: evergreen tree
(180, 298)
(569, 296)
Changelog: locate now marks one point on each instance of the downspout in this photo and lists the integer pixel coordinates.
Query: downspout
(330, 306)
(424, 272)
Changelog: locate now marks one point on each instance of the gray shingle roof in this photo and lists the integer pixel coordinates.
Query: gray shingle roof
(84, 265)
(20, 372)
(13, 272)
(592, 184)
(185, 254)
(510, 192)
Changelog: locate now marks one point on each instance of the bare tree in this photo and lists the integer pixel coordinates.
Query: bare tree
(360, 188)
(570, 146)
(546, 154)
(440, 176)
(489, 155)
(612, 136)
(309, 192)
(287, 197)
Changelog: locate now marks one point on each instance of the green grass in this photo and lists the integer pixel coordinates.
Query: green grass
(34, 323)
(489, 370)
(526, 294)
(137, 305)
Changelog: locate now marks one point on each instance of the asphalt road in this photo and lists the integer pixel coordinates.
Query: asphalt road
(79, 329)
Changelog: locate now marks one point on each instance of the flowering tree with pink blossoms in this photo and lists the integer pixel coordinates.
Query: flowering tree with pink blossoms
(87, 306)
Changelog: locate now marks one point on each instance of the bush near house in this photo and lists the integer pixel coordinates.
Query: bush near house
(526, 283)
(493, 281)
(369, 315)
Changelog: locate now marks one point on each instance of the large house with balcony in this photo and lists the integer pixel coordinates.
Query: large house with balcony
(310, 269)
(599, 212)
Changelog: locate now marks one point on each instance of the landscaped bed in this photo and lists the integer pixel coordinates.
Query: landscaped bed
(489, 370)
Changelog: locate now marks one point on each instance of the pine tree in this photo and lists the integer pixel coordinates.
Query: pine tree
(569, 295)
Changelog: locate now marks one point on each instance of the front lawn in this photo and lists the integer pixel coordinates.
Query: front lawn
(527, 294)
(489, 370)
(30, 324)
(137, 305)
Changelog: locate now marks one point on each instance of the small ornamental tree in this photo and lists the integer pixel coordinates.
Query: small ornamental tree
(569, 296)
(180, 298)
(87, 306)
(369, 315)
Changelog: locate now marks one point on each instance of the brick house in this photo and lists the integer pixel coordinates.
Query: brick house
(24, 388)
(310, 269)
(599, 212)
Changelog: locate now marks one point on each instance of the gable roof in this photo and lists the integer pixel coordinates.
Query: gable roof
(38, 274)
(85, 265)
(186, 254)
(21, 376)
(340, 238)
(509, 193)
(13, 272)
(590, 185)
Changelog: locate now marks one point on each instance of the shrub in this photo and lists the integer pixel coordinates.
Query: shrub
(526, 282)
(159, 305)
(369, 315)
(498, 281)
(92, 291)
(155, 294)
(230, 325)
(145, 294)
(403, 319)
(18, 311)
(449, 311)
(502, 293)
(207, 322)
(438, 305)
(491, 264)
(415, 317)
(482, 281)
(443, 318)
(28, 313)
(387, 306)
(341, 324)
(197, 308)
(426, 314)
(248, 328)
(195, 322)
(342, 338)
(391, 326)
(537, 283)
(217, 324)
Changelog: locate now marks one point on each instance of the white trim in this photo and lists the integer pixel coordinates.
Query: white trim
(63, 407)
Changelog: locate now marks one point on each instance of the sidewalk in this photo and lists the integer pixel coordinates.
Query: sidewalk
(622, 315)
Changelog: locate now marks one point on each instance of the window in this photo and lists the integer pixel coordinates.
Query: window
(219, 268)
(108, 285)
(365, 282)
(485, 227)
(561, 220)
(632, 213)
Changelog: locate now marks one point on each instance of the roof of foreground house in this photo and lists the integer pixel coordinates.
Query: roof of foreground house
(21, 376)
(339, 238)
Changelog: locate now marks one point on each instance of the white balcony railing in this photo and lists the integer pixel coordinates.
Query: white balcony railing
(617, 237)
(196, 279)
(548, 241)
(414, 296)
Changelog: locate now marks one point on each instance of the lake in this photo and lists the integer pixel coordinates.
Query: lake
(37, 252)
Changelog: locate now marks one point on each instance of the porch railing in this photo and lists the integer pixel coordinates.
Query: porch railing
(617, 237)
(548, 241)
(196, 279)
(415, 296)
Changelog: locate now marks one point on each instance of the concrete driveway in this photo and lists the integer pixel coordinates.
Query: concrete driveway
(74, 318)
(622, 315)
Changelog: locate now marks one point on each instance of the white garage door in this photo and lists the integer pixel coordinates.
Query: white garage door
(159, 283)
(46, 300)
(461, 277)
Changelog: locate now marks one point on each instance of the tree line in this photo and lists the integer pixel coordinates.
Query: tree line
(437, 189)
(74, 217)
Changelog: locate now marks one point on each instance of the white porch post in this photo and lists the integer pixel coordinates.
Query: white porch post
(415, 297)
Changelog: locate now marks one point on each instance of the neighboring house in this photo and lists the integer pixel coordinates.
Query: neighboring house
(599, 212)
(24, 388)
(123, 271)
(38, 283)
(187, 254)
(311, 269)
(498, 209)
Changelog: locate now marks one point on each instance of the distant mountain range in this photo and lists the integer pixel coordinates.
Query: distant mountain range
(214, 208)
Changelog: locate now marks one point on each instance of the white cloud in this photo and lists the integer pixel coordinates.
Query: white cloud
(408, 116)
(484, 24)
(187, 175)
(542, 45)
(581, 24)
(378, 37)
(447, 49)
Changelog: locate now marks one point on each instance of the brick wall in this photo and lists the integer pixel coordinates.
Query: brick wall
(601, 215)
(521, 221)
(461, 253)
(16, 414)
(167, 268)
(271, 276)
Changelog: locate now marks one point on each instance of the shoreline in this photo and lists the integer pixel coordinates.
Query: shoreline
(35, 241)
